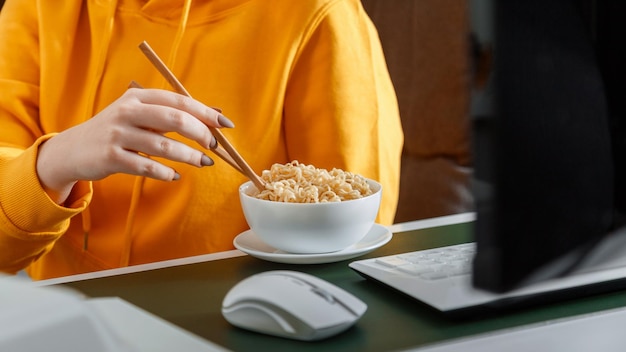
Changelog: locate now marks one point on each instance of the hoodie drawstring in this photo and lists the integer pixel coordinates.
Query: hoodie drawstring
(180, 32)
(97, 77)
(140, 180)
(128, 231)
(86, 217)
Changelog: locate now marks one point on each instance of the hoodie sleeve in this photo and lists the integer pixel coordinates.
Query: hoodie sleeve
(341, 82)
(30, 221)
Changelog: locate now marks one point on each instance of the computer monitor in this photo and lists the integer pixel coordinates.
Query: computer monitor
(548, 136)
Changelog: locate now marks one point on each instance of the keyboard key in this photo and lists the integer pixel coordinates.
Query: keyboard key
(415, 269)
(432, 264)
(391, 262)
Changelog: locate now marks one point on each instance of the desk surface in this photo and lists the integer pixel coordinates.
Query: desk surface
(190, 296)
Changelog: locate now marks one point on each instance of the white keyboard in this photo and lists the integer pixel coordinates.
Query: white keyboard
(441, 277)
(433, 264)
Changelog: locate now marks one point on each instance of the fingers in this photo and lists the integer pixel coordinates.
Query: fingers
(133, 129)
(137, 164)
(154, 144)
(165, 119)
(124, 136)
(211, 117)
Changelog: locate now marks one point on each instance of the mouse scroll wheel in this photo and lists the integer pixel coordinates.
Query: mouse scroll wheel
(325, 295)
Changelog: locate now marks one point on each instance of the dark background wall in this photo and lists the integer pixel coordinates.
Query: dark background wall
(426, 46)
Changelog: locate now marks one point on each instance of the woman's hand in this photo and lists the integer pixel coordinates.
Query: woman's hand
(111, 141)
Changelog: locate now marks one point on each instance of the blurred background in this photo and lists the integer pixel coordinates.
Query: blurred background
(426, 44)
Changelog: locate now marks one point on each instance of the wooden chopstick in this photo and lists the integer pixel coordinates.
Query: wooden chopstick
(221, 139)
(218, 150)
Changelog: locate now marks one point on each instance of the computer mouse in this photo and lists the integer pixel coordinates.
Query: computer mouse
(291, 304)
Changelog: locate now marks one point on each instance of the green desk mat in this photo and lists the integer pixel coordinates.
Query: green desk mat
(190, 296)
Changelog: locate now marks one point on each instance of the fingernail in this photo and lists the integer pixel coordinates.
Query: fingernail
(206, 161)
(224, 121)
(176, 176)
(213, 144)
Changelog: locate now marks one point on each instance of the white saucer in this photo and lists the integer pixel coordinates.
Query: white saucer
(248, 242)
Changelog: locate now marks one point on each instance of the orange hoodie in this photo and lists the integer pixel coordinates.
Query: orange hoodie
(302, 80)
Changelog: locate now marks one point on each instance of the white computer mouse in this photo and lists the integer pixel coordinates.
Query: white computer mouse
(291, 304)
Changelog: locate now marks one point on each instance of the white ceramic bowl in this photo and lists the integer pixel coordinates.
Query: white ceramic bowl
(307, 228)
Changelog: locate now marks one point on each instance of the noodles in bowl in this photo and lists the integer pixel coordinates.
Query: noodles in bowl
(308, 210)
(299, 183)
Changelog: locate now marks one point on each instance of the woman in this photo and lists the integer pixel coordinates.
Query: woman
(86, 163)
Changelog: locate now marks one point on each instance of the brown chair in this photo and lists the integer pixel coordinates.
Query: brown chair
(426, 45)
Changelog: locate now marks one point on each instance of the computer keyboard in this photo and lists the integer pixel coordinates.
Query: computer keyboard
(433, 264)
(442, 278)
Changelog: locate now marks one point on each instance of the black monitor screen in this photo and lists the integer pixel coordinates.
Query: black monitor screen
(548, 137)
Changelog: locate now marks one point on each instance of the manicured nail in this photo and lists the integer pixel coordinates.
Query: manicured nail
(206, 161)
(176, 176)
(213, 144)
(224, 121)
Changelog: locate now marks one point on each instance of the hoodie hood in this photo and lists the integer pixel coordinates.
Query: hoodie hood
(171, 11)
